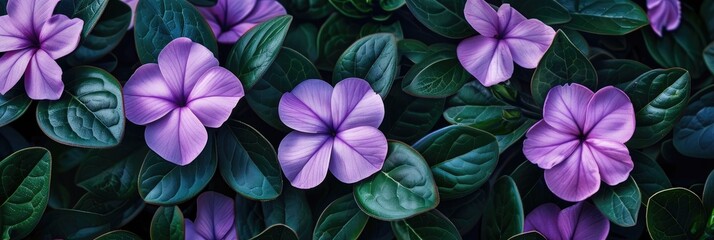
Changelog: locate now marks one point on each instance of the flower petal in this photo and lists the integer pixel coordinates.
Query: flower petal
(228, 13)
(12, 65)
(358, 153)
(508, 18)
(307, 107)
(215, 216)
(610, 116)
(664, 14)
(583, 221)
(482, 17)
(542, 219)
(147, 97)
(11, 38)
(132, 4)
(574, 179)
(190, 231)
(30, 14)
(487, 59)
(529, 41)
(547, 146)
(305, 158)
(565, 108)
(183, 62)
(264, 10)
(613, 160)
(214, 96)
(179, 137)
(355, 104)
(60, 35)
(43, 79)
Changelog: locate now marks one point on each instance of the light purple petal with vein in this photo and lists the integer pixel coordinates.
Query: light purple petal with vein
(543, 219)
(610, 116)
(214, 96)
(574, 179)
(358, 153)
(12, 65)
(547, 146)
(528, 41)
(190, 231)
(30, 15)
(307, 107)
(355, 104)
(613, 160)
(305, 158)
(183, 62)
(263, 11)
(215, 216)
(11, 38)
(147, 97)
(482, 17)
(179, 137)
(43, 78)
(227, 13)
(487, 59)
(583, 221)
(664, 14)
(508, 19)
(60, 35)
(566, 106)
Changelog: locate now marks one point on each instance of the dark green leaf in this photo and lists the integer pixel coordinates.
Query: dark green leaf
(372, 58)
(118, 235)
(682, 47)
(620, 203)
(11, 141)
(531, 186)
(303, 39)
(335, 35)
(291, 209)
(707, 9)
(353, 9)
(548, 11)
(89, 11)
(675, 213)
(117, 211)
(692, 134)
(578, 40)
(428, 225)
(112, 173)
(84, 225)
(380, 27)
(342, 219)
(310, 9)
(13, 105)
(277, 232)
(474, 93)
(493, 119)
(612, 72)
(410, 118)
(465, 212)
(605, 17)
(648, 174)
(709, 57)
(377, 230)
(249, 217)
(413, 50)
(708, 194)
(167, 223)
(105, 36)
(24, 187)
(503, 217)
(438, 76)
(445, 17)
(531, 235)
(508, 139)
(203, 3)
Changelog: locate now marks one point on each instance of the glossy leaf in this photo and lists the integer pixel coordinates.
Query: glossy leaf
(503, 216)
(548, 11)
(203, 3)
(508, 139)
(13, 105)
(167, 223)
(118, 235)
(474, 93)
(428, 225)
(291, 209)
(709, 57)
(334, 37)
(708, 194)
(692, 134)
(112, 173)
(465, 212)
(531, 185)
(531, 235)
(675, 213)
(494, 119)
(605, 17)
(445, 17)
(105, 36)
(372, 58)
(342, 219)
(438, 76)
(413, 50)
(682, 47)
(381, 27)
(89, 11)
(249, 217)
(618, 71)
(309, 9)
(116, 211)
(620, 203)
(409, 118)
(11, 141)
(24, 187)
(650, 177)
(84, 225)
(303, 39)
(277, 232)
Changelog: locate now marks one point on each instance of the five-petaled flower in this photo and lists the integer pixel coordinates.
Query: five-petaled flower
(506, 36)
(664, 14)
(580, 221)
(230, 19)
(581, 140)
(177, 97)
(32, 39)
(334, 128)
(215, 218)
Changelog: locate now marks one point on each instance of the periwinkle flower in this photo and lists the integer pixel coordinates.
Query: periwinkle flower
(177, 97)
(230, 19)
(32, 38)
(335, 128)
(580, 140)
(506, 36)
(215, 218)
(132, 4)
(580, 221)
(664, 14)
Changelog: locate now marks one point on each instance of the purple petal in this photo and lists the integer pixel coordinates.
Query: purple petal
(610, 116)
(183, 62)
(30, 15)
(583, 221)
(147, 97)
(664, 14)
(482, 17)
(215, 216)
(547, 146)
(132, 4)
(225, 15)
(542, 219)
(612, 158)
(307, 107)
(12, 65)
(263, 11)
(214, 96)
(43, 79)
(528, 42)
(565, 108)
(574, 179)
(305, 158)
(179, 137)
(358, 153)
(508, 18)
(487, 59)
(190, 231)
(355, 104)
(60, 35)
(11, 38)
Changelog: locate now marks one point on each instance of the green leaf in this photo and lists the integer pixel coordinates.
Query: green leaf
(578, 40)
(548, 11)
(605, 17)
(164, 183)
(353, 9)
(249, 217)
(118, 235)
(659, 97)
(90, 112)
(158, 22)
(105, 36)
(620, 203)
(112, 173)
(309, 9)
(531, 185)
(409, 118)
(650, 177)
(493, 119)
(682, 47)
(692, 134)
(709, 57)
(438, 76)
(531, 235)
(675, 213)
(508, 139)
(24, 187)
(256, 50)
(562, 63)
(335, 35)
(167, 223)
(372, 58)
(89, 11)
(445, 17)
(342, 219)
(83, 225)
(708, 194)
(287, 71)
(13, 105)
(116, 211)
(403, 188)
(377, 230)
(612, 72)
(203, 3)
(427, 225)
(291, 209)
(474, 93)
(277, 232)
(11, 141)
(248, 162)
(414, 50)
(462, 159)
(380, 27)
(303, 39)
(706, 9)
(503, 216)
(465, 212)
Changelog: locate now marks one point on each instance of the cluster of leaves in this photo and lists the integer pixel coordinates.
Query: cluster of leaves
(454, 168)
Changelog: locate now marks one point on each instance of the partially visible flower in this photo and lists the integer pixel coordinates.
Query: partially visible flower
(580, 221)
(506, 36)
(334, 128)
(132, 4)
(580, 140)
(177, 97)
(215, 218)
(230, 19)
(32, 39)
(664, 14)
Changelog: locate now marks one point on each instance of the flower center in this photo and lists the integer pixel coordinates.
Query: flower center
(582, 137)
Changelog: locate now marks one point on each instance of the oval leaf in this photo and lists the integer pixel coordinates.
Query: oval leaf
(335, 35)
(692, 134)
(650, 177)
(438, 76)
(531, 185)
(372, 58)
(24, 187)
(89, 11)
(532, 235)
(493, 119)
(105, 36)
(675, 213)
(409, 118)
(118, 235)
(605, 17)
(342, 219)
(465, 212)
(277, 232)
(445, 17)
(13, 105)
(167, 223)
(291, 209)
(427, 225)
(249, 217)
(548, 11)
(503, 217)
(112, 173)
(620, 203)
(682, 47)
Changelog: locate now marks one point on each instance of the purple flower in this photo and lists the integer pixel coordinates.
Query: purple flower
(214, 218)
(580, 221)
(177, 97)
(32, 39)
(230, 19)
(664, 14)
(581, 140)
(506, 36)
(335, 128)
(132, 4)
